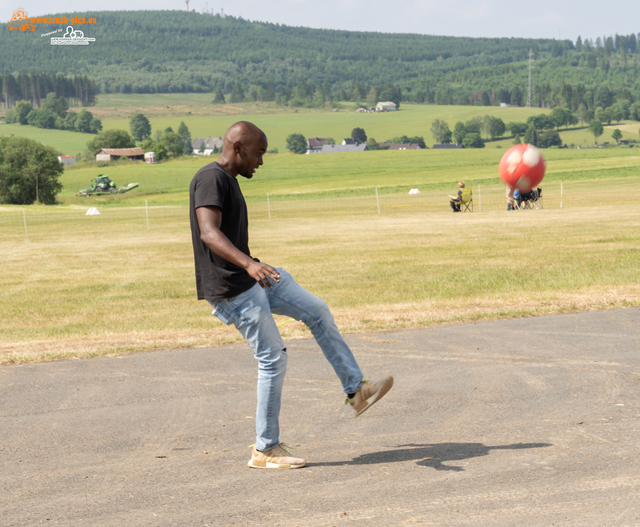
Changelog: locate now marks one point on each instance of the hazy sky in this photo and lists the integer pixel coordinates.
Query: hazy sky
(474, 18)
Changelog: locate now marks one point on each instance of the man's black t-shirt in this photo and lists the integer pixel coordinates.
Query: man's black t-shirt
(216, 278)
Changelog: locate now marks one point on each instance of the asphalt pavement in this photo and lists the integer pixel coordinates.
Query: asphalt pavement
(526, 422)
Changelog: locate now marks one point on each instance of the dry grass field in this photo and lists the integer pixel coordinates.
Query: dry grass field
(80, 286)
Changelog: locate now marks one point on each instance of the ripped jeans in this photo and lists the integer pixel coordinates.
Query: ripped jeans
(251, 312)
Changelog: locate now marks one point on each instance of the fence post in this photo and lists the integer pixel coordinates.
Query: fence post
(268, 206)
(479, 198)
(24, 217)
(378, 201)
(561, 192)
(146, 209)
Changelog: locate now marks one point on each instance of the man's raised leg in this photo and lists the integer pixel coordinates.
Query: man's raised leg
(290, 299)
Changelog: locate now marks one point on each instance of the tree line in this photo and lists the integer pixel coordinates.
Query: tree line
(53, 114)
(35, 87)
(165, 143)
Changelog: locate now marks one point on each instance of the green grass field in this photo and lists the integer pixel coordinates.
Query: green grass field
(297, 177)
(66, 143)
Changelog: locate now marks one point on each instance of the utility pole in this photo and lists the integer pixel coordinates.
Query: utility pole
(530, 92)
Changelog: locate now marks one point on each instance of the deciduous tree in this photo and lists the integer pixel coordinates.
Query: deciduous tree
(22, 110)
(140, 126)
(358, 134)
(296, 144)
(183, 131)
(29, 171)
(174, 143)
(596, 128)
(473, 141)
(441, 132)
(459, 131)
(110, 139)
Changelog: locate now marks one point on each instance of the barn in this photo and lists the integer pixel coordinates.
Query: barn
(113, 154)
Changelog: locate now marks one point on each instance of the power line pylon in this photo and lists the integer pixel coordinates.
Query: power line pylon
(531, 91)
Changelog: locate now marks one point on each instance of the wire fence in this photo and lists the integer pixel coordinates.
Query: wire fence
(24, 223)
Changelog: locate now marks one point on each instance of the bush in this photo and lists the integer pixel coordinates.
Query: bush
(22, 110)
(473, 141)
(549, 139)
(416, 139)
(158, 148)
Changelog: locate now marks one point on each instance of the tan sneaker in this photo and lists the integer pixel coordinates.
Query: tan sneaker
(369, 393)
(277, 457)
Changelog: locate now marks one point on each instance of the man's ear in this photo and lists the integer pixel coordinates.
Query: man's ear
(237, 146)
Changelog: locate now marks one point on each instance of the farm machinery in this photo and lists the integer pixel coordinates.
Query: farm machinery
(103, 185)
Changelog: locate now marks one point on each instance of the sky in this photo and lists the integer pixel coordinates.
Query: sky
(460, 18)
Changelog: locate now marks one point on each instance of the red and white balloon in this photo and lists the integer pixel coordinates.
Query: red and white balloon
(522, 167)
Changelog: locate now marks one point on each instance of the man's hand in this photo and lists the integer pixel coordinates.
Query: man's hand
(209, 220)
(261, 273)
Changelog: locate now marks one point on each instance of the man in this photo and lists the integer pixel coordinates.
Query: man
(245, 292)
(511, 201)
(456, 200)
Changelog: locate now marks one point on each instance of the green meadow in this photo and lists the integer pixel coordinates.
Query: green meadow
(66, 143)
(208, 120)
(306, 177)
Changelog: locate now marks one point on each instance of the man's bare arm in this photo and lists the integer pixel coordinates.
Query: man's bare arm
(209, 220)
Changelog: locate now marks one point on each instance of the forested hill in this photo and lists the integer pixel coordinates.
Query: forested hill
(176, 51)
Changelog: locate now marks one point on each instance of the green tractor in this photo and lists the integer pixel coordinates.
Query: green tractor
(103, 185)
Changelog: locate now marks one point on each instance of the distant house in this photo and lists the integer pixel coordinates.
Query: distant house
(113, 154)
(386, 107)
(67, 160)
(315, 144)
(507, 105)
(403, 146)
(452, 145)
(150, 157)
(349, 141)
(209, 144)
(332, 149)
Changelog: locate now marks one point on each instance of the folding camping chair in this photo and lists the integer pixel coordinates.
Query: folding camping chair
(532, 199)
(466, 201)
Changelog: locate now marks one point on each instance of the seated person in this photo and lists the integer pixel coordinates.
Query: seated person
(456, 201)
(525, 197)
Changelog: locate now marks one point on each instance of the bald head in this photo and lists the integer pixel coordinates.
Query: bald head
(244, 146)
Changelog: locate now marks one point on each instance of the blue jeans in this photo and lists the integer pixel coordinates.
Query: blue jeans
(251, 312)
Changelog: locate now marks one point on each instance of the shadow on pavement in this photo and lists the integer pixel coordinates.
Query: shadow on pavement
(430, 455)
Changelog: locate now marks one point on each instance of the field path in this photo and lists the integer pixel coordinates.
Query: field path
(528, 422)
